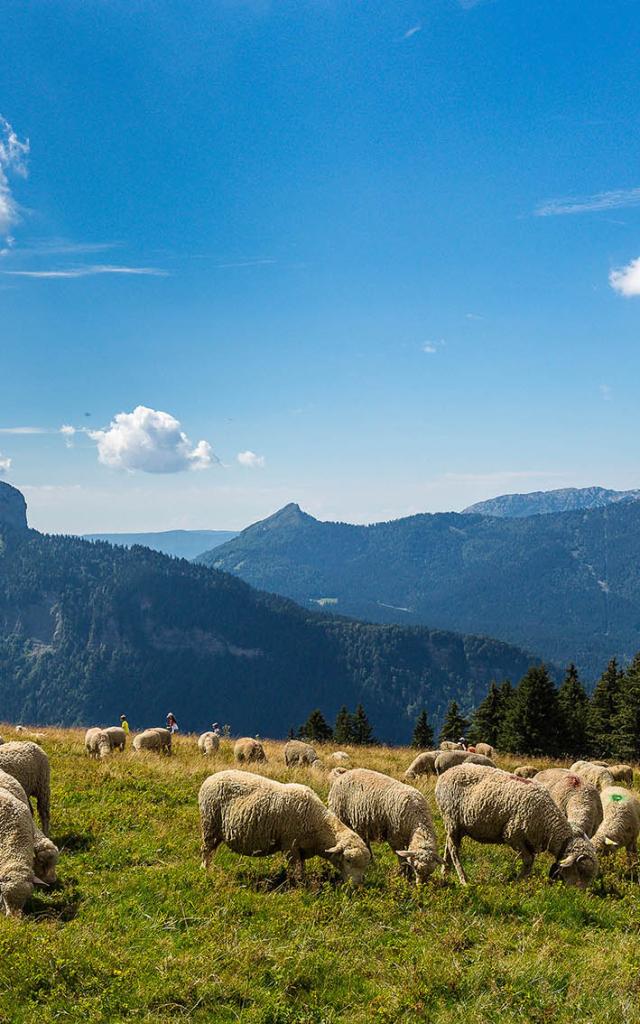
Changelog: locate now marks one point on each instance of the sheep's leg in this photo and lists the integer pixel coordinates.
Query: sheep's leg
(210, 843)
(632, 856)
(42, 801)
(527, 856)
(453, 847)
(295, 866)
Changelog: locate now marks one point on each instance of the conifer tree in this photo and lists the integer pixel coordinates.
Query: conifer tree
(603, 709)
(343, 730)
(422, 733)
(625, 739)
(531, 725)
(573, 707)
(454, 725)
(316, 728)
(362, 731)
(488, 718)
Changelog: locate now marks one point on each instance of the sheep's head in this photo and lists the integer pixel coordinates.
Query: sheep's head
(422, 863)
(15, 889)
(46, 860)
(351, 857)
(579, 866)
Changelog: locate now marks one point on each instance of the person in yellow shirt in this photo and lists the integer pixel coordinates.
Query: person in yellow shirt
(124, 724)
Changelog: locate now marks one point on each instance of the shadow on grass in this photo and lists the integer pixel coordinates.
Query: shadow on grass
(59, 903)
(74, 842)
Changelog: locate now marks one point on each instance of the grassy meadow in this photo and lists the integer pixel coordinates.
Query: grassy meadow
(136, 931)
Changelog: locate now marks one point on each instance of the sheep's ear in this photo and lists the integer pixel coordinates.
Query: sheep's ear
(334, 849)
(403, 853)
(38, 881)
(610, 842)
(568, 861)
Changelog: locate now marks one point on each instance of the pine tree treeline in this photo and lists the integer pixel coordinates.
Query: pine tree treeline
(350, 727)
(537, 718)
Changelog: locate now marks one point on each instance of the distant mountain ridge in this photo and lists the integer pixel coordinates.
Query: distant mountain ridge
(566, 585)
(565, 499)
(179, 543)
(89, 631)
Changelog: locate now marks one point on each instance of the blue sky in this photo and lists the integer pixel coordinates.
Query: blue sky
(374, 258)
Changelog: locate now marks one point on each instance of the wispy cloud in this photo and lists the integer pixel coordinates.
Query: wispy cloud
(64, 247)
(473, 316)
(431, 347)
(412, 31)
(244, 263)
(606, 392)
(26, 430)
(13, 160)
(250, 460)
(5, 464)
(517, 474)
(626, 280)
(87, 271)
(589, 204)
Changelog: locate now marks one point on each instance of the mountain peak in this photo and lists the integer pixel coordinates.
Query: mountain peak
(565, 499)
(13, 508)
(288, 515)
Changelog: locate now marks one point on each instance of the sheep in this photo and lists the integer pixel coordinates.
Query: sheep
(492, 806)
(117, 737)
(247, 749)
(423, 764)
(339, 757)
(621, 823)
(485, 749)
(208, 743)
(298, 753)
(17, 877)
(258, 816)
(450, 745)
(29, 764)
(37, 736)
(97, 743)
(46, 853)
(158, 740)
(380, 808)
(622, 773)
(526, 771)
(576, 798)
(598, 775)
(449, 758)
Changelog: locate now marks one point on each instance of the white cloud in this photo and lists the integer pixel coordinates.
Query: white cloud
(24, 430)
(431, 347)
(412, 31)
(13, 159)
(68, 432)
(88, 271)
(250, 460)
(626, 280)
(607, 392)
(5, 464)
(150, 441)
(589, 204)
(473, 316)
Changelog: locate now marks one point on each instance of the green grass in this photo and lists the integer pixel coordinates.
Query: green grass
(136, 931)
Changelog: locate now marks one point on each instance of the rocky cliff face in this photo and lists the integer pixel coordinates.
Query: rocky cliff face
(13, 509)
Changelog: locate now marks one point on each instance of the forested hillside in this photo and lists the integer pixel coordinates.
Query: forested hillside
(88, 631)
(564, 499)
(566, 585)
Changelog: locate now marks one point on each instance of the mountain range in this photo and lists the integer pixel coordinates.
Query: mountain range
(565, 499)
(179, 543)
(565, 585)
(89, 630)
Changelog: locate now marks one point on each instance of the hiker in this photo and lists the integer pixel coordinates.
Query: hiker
(215, 729)
(124, 724)
(172, 725)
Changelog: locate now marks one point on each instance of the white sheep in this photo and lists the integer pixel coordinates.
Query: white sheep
(622, 773)
(97, 743)
(597, 774)
(621, 823)
(492, 806)
(578, 799)
(209, 743)
(29, 764)
(257, 816)
(339, 757)
(485, 749)
(249, 750)
(298, 753)
(450, 758)
(526, 771)
(381, 809)
(17, 854)
(158, 740)
(117, 737)
(451, 745)
(423, 764)
(46, 853)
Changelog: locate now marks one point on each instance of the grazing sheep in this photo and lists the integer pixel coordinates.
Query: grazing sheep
(621, 823)
(423, 764)
(247, 749)
(450, 758)
(380, 808)
(485, 749)
(492, 806)
(46, 853)
(209, 743)
(339, 757)
(298, 753)
(598, 775)
(117, 737)
(257, 816)
(30, 735)
(97, 743)
(29, 764)
(450, 745)
(622, 773)
(158, 740)
(576, 798)
(526, 771)
(17, 854)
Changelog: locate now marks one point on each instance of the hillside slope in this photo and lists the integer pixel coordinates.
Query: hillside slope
(88, 631)
(179, 543)
(566, 585)
(565, 499)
